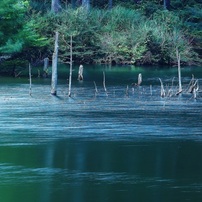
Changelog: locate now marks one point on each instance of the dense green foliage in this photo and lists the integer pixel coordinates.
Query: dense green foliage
(132, 32)
(18, 30)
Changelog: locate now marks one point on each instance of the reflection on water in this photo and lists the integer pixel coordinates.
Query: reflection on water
(100, 147)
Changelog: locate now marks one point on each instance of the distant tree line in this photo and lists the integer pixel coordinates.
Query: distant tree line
(103, 31)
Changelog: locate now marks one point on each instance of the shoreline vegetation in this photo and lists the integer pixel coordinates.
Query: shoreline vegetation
(127, 33)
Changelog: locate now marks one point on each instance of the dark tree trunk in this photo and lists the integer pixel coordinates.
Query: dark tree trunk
(45, 68)
(166, 4)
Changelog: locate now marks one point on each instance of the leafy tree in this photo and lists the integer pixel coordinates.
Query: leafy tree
(12, 20)
(192, 17)
(119, 40)
(18, 32)
(140, 32)
(166, 37)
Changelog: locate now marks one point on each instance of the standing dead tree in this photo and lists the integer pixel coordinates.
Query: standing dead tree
(54, 66)
(70, 62)
(195, 89)
(179, 71)
(30, 80)
(70, 67)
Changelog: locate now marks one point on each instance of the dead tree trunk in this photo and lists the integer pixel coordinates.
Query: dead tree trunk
(193, 88)
(70, 68)
(179, 71)
(54, 67)
(191, 85)
(194, 93)
(105, 89)
(127, 91)
(163, 93)
(139, 79)
(96, 91)
(80, 73)
(30, 80)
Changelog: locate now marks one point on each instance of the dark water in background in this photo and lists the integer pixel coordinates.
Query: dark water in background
(100, 148)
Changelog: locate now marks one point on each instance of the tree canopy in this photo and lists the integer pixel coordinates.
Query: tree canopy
(111, 31)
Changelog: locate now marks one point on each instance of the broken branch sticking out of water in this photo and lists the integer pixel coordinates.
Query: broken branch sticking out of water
(96, 91)
(163, 93)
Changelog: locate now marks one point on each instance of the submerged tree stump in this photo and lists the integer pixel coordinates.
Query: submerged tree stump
(163, 92)
(104, 86)
(139, 79)
(80, 73)
(193, 87)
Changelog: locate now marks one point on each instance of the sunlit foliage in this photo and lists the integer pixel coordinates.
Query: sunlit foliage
(132, 32)
(18, 30)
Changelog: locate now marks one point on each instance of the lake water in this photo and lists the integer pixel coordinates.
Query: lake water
(101, 147)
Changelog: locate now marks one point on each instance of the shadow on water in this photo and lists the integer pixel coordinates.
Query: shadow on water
(100, 147)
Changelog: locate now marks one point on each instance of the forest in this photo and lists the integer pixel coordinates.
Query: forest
(102, 31)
